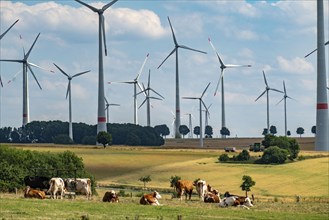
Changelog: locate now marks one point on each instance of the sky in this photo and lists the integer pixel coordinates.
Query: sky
(272, 36)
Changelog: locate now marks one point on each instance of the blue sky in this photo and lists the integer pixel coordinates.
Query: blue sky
(273, 36)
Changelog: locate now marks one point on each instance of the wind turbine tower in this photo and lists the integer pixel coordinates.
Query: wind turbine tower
(321, 139)
(68, 93)
(200, 106)
(101, 119)
(285, 96)
(267, 89)
(175, 50)
(221, 79)
(190, 125)
(26, 65)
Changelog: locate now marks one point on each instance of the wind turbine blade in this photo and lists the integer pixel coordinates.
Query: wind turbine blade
(62, 71)
(167, 57)
(142, 103)
(204, 91)
(156, 93)
(315, 50)
(236, 65)
(265, 79)
(141, 69)
(28, 53)
(68, 88)
(190, 98)
(114, 104)
(173, 34)
(106, 100)
(149, 79)
(28, 66)
(284, 88)
(35, 65)
(88, 6)
(152, 97)
(14, 77)
(103, 32)
(220, 77)
(109, 5)
(2, 35)
(203, 104)
(79, 74)
(127, 82)
(188, 48)
(140, 87)
(173, 114)
(276, 90)
(280, 101)
(1, 81)
(17, 61)
(219, 59)
(261, 95)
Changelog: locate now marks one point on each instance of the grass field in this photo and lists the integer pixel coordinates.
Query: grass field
(275, 190)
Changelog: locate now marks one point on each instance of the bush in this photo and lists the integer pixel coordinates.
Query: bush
(243, 156)
(223, 158)
(273, 155)
(62, 139)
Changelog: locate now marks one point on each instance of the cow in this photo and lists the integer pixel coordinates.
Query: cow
(201, 188)
(111, 196)
(212, 196)
(34, 193)
(184, 186)
(79, 185)
(56, 186)
(37, 182)
(243, 202)
(150, 199)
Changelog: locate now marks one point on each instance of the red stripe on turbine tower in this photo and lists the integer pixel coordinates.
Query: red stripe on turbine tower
(24, 115)
(322, 106)
(177, 110)
(101, 119)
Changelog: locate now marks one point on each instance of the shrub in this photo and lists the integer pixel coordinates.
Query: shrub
(223, 158)
(243, 156)
(273, 155)
(173, 180)
(62, 139)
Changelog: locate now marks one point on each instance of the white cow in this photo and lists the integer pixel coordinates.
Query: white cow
(56, 187)
(201, 188)
(240, 201)
(79, 185)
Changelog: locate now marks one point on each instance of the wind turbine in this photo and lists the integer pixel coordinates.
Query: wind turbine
(175, 50)
(107, 109)
(190, 124)
(221, 79)
(101, 119)
(207, 114)
(147, 99)
(4, 33)
(26, 65)
(315, 50)
(285, 96)
(200, 106)
(68, 93)
(267, 89)
(135, 82)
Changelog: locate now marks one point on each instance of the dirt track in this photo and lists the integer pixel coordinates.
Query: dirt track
(306, 143)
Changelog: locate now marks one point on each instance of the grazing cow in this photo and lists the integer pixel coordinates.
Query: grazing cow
(184, 186)
(34, 193)
(79, 185)
(111, 196)
(150, 199)
(201, 188)
(37, 182)
(56, 186)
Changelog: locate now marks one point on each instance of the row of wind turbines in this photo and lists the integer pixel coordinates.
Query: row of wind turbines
(103, 105)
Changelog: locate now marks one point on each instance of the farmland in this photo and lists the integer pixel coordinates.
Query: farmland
(121, 167)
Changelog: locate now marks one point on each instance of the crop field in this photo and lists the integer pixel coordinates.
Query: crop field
(120, 168)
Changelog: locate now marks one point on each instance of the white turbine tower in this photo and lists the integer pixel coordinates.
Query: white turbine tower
(135, 82)
(207, 115)
(26, 65)
(322, 121)
(147, 99)
(267, 89)
(68, 93)
(101, 119)
(107, 108)
(175, 50)
(190, 124)
(221, 79)
(200, 106)
(285, 96)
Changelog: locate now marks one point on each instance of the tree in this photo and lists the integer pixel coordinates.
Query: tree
(313, 130)
(208, 131)
(300, 131)
(173, 181)
(145, 179)
(247, 184)
(243, 156)
(288, 133)
(196, 131)
(225, 131)
(162, 130)
(223, 158)
(265, 132)
(104, 138)
(184, 130)
(62, 139)
(273, 155)
(273, 130)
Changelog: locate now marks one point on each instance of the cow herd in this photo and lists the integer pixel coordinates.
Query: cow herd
(57, 188)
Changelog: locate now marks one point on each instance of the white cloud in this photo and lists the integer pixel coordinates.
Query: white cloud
(296, 65)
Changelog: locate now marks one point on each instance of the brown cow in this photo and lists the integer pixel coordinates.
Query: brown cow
(184, 186)
(212, 197)
(150, 199)
(34, 193)
(111, 197)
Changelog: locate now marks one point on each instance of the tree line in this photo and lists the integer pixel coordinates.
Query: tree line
(57, 131)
